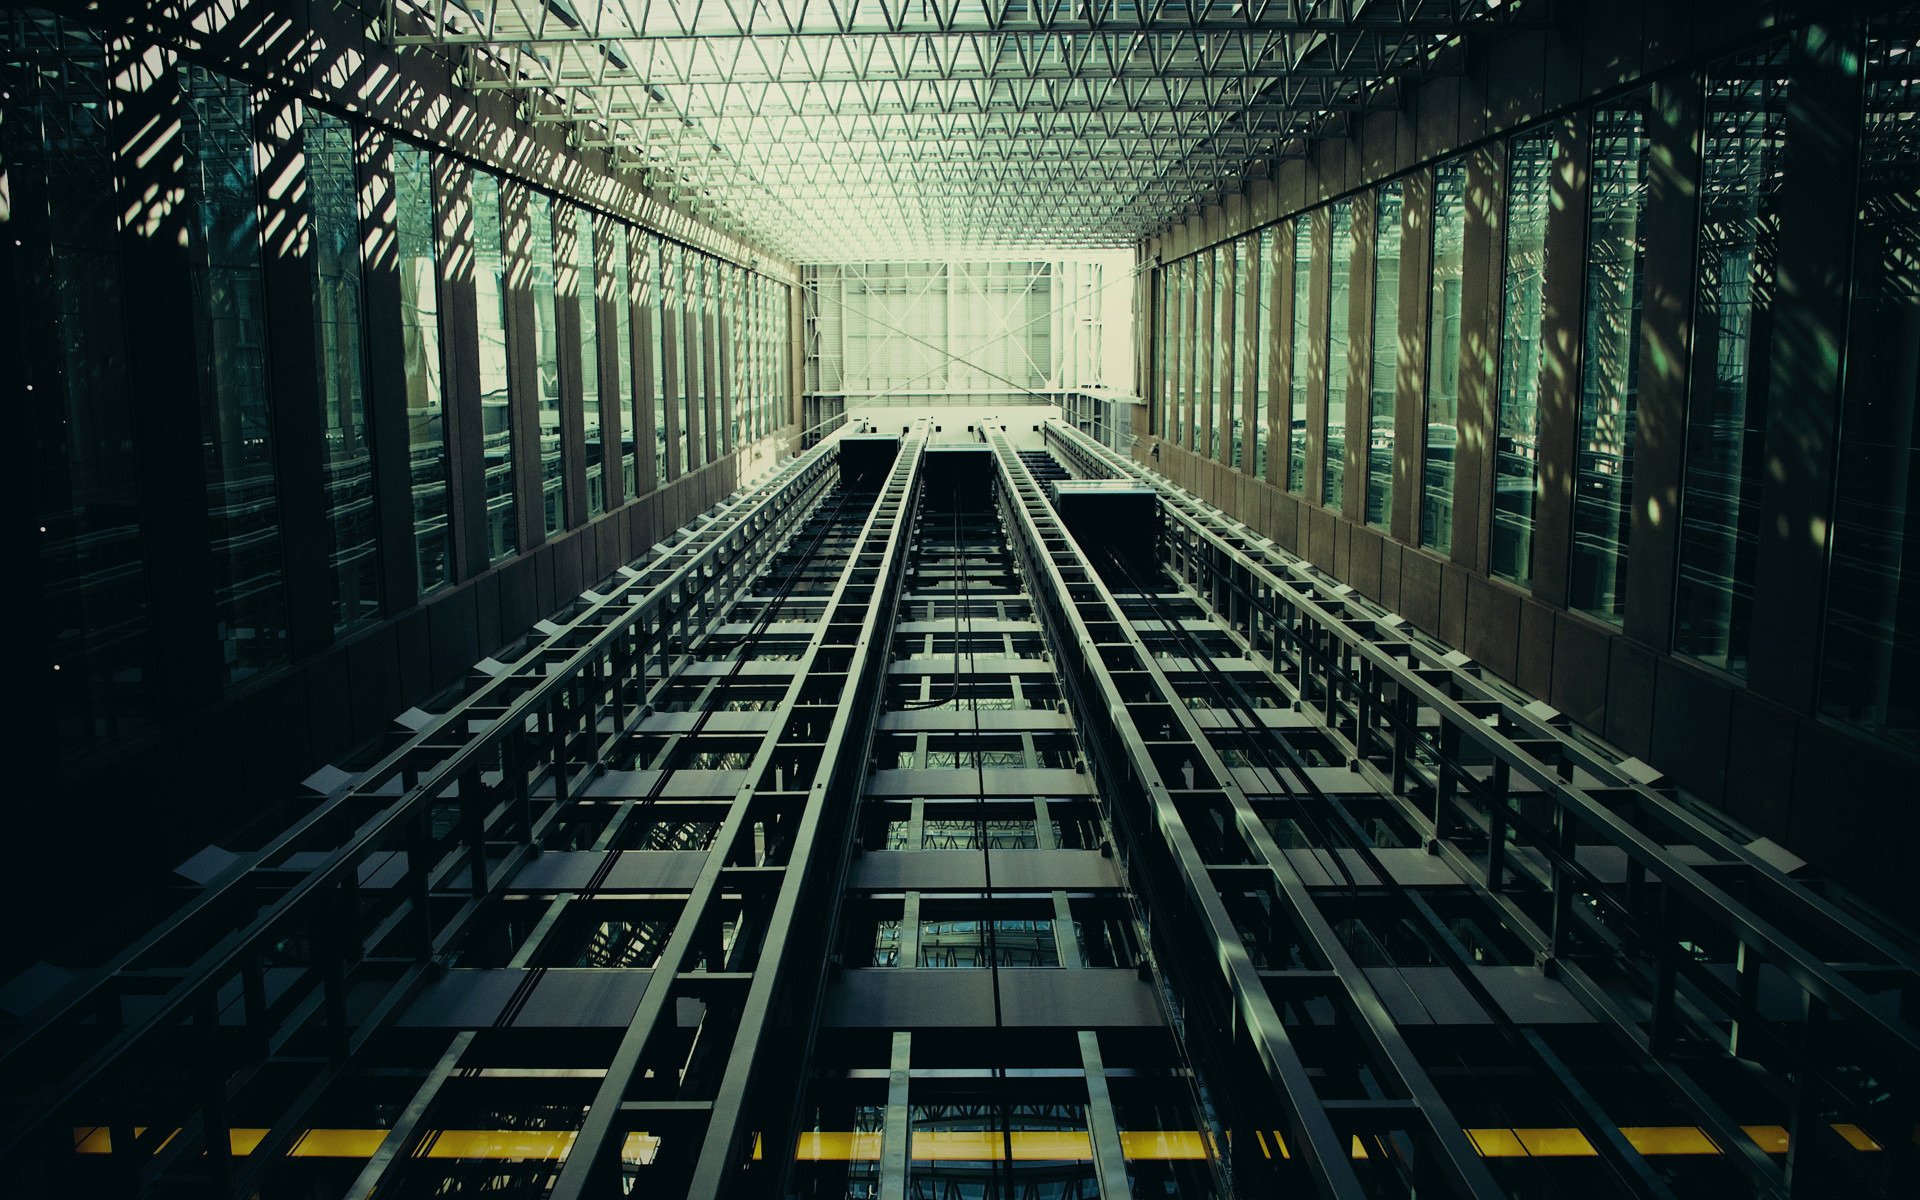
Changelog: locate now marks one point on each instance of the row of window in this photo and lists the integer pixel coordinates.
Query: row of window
(1209, 303)
(708, 376)
(701, 347)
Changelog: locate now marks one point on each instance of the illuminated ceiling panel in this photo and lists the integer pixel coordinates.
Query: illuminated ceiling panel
(864, 129)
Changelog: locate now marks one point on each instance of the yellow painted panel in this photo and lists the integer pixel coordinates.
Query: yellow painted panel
(1856, 1137)
(1555, 1143)
(93, 1139)
(985, 1145)
(1668, 1139)
(1771, 1138)
(1183, 1144)
(1496, 1143)
(838, 1147)
(96, 1139)
(337, 1143)
(496, 1143)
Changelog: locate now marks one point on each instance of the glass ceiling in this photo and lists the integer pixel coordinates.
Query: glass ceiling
(864, 129)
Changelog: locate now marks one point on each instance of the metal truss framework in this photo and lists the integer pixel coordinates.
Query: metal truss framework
(1694, 948)
(269, 969)
(871, 129)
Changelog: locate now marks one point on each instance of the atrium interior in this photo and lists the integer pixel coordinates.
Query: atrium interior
(963, 600)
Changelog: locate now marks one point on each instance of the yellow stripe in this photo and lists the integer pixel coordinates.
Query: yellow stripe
(1029, 1145)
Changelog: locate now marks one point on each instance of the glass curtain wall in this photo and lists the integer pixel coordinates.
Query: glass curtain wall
(427, 462)
(673, 273)
(1269, 265)
(693, 377)
(1163, 339)
(1743, 162)
(58, 149)
(1302, 352)
(1339, 349)
(496, 410)
(230, 327)
(1386, 338)
(1206, 381)
(653, 302)
(1443, 356)
(1516, 475)
(1609, 361)
(623, 356)
(334, 194)
(1181, 280)
(1242, 278)
(1871, 673)
(546, 364)
(1221, 335)
(588, 292)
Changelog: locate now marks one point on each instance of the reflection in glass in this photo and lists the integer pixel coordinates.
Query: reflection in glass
(623, 355)
(1220, 334)
(733, 326)
(653, 300)
(680, 293)
(958, 1150)
(1268, 260)
(57, 148)
(1242, 278)
(588, 293)
(1199, 360)
(1339, 349)
(1741, 167)
(1164, 292)
(700, 355)
(1609, 370)
(496, 419)
(1443, 355)
(1516, 477)
(420, 338)
(230, 327)
(1386, 339)
(546, 363)
(1871, 673)
(351, 524)
(1302, 352)
(1006, 941)
(1181, 279)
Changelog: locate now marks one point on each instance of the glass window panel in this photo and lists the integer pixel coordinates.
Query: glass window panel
(1268, 258)
(1443, 355)
(653, 295)
(1339, 349)
(588, 293)
(496, 422)
(1609, 379)
(546, 368)
(672, 296)
(1386, 344)
(427, 464)
(243, 502)
(1302, 352)
(1242, 280)
(1164, 340)
(1220, 334)
(58, 151)
(695, 307)
(1006, 941)
(623, 354)
(1871, 674)
(351, 520)
(1742, 164)
(1183, 281)
(1516, 459)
